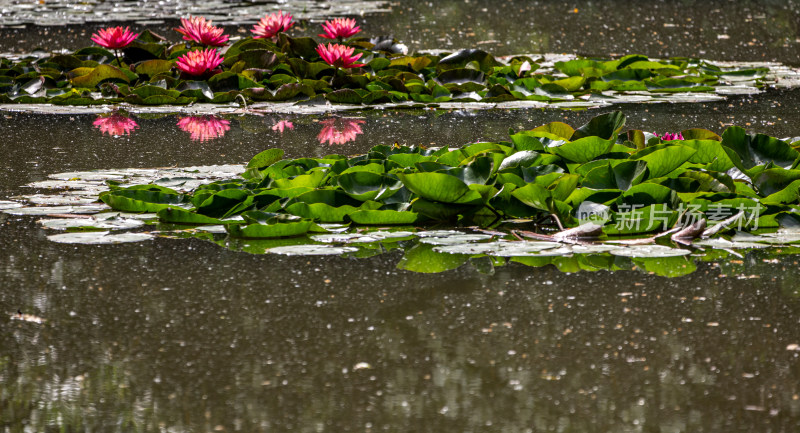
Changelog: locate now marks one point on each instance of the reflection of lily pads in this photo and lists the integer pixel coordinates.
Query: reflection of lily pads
(422, 258)
(675, 266)
(97, 238)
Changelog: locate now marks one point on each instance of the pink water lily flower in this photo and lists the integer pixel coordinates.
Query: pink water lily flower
(115, 125)
(339, 131)
(339, 56)
(340, 28)
(197, 29)
(272, 24)
(283, 124)
(523, 68)
(204, 128)
(669, 136)
(114, 38)
(199, 63)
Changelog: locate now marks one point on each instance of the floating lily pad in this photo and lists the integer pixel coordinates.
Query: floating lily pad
(645, 251)
(563, 250)
(48, 210)
(438, 233)
(336, 238)
(63, 184)
(453, 239)
(5, 204)
(724, 244)
(138, 216)
(216, 229)
(91, 223)
(58, 200)
(100, 175)
(593, 248)
(98, 238)
(383, 234)
(335, 228)
(782, 237)
(311, 250)
(498, 248)
(773, 238)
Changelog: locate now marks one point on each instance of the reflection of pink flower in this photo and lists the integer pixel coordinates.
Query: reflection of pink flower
(669, 136)
(199, 30)
(114, 38)
(115, 124)
(272, 24)
(204, 128)
(199, 63)
(340, 28)
(283, 124)
(339, 131)
(339, 56)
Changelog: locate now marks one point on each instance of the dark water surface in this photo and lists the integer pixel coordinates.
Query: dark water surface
(141, 337)
(182, 335)
(744, 30)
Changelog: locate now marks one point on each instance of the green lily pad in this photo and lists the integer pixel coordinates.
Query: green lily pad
(99, 74)
(258, 231)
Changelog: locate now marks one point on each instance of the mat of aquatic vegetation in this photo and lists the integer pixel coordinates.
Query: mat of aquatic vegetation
(495, 200)
(291, 69)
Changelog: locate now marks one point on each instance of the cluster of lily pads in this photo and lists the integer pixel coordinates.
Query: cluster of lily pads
(146, 68)
(625, 184)
(633, 200)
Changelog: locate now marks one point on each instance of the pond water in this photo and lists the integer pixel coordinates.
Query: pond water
(182, 335)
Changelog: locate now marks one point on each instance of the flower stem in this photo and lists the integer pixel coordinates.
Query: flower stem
(116, 55)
